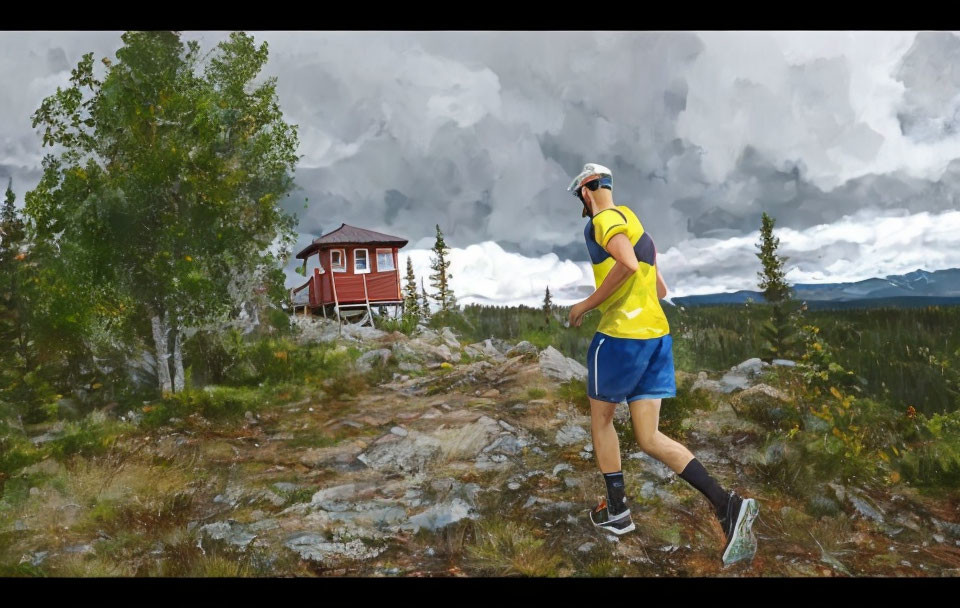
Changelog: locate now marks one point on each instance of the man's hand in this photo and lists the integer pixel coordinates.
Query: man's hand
(576, 313)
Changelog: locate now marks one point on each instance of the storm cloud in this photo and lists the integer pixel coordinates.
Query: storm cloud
(480, 132)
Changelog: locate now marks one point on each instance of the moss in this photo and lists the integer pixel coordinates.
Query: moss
(535, 392)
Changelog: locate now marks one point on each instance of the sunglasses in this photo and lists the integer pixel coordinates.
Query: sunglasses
(604, 182)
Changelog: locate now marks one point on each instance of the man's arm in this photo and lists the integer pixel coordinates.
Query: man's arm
(661, 284)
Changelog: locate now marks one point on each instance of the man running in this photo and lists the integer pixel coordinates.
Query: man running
(631, 358)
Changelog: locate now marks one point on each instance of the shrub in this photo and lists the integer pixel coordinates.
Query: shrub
(932, 455)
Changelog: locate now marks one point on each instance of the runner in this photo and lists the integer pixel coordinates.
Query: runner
(631, 358)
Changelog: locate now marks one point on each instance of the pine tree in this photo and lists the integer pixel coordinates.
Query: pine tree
(780, 331)
(12, 304)
(547, 306)
(772, 280)
(411, 305)
(425, 305)
(440, 279)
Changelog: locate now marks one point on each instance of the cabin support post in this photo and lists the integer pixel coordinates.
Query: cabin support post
(366, 299)
(336, 302)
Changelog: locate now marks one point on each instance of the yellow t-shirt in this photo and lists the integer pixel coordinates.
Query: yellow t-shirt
(633, 310)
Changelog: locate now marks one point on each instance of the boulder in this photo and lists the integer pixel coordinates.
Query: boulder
(409, 454)
(485, 349)
(571, 434)
(449, 338)
(558, 367)
(522, 348)
(750, 367)
(373, 358)
(707, 384)
(441, 515)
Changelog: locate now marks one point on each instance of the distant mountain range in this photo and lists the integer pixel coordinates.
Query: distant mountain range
(917, 288)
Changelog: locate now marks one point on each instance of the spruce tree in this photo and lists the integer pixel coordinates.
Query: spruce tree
(411, 305)
(425, 305)
(779, 332)
(440, 279)
(13, 308)
(547, 306)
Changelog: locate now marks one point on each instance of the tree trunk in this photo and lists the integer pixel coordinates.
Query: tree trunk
(177, 359)
(160, 331)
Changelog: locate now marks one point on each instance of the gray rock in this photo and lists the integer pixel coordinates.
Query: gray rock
(731, 382)
(485, 349)
(230, 531)
(81, 549)
(586, 547)
(953, 529)
(399, 430)
(648, 490)
(362, 333)
(522, 348)
(410, 454)
(513, 485)
(785, 362)
(560, 468)
(313, 546)
(570, 434)
(441, 515)
(652, 465)
(373, 358)
(702, 382)
(558, 367)
(750, 367)
(449, 338)
(508, 444)
(469, 441)
(403, 351)
(409, 366)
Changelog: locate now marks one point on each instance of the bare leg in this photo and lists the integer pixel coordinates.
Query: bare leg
(606, 445)
(645, 415)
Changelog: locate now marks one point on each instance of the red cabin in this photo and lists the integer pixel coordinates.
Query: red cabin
(349, 270)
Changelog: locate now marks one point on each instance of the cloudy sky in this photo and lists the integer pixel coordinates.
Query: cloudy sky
(851, 140)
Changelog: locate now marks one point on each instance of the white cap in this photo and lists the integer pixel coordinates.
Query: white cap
(589, 170)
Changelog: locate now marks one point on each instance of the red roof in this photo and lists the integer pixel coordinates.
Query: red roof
(351, 235)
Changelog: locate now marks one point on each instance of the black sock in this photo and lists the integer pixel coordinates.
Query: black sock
(616, 494)
(697, 476)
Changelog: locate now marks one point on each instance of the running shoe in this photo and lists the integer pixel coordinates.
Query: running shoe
(618, 524)
(737, 522)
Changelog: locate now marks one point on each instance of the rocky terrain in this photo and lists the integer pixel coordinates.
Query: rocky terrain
(470, 459)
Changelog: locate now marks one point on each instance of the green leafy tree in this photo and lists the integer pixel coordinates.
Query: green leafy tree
(164, 198)
(780, 332)
(411, 305)
(547, 306)
(440, 279)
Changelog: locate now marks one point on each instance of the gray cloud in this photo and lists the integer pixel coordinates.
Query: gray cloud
(480, 131)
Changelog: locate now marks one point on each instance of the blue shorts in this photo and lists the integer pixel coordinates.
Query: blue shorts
(630, 368)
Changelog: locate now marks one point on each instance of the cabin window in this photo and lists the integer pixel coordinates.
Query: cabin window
(360, 262)
(385, 260)
(338, 260)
